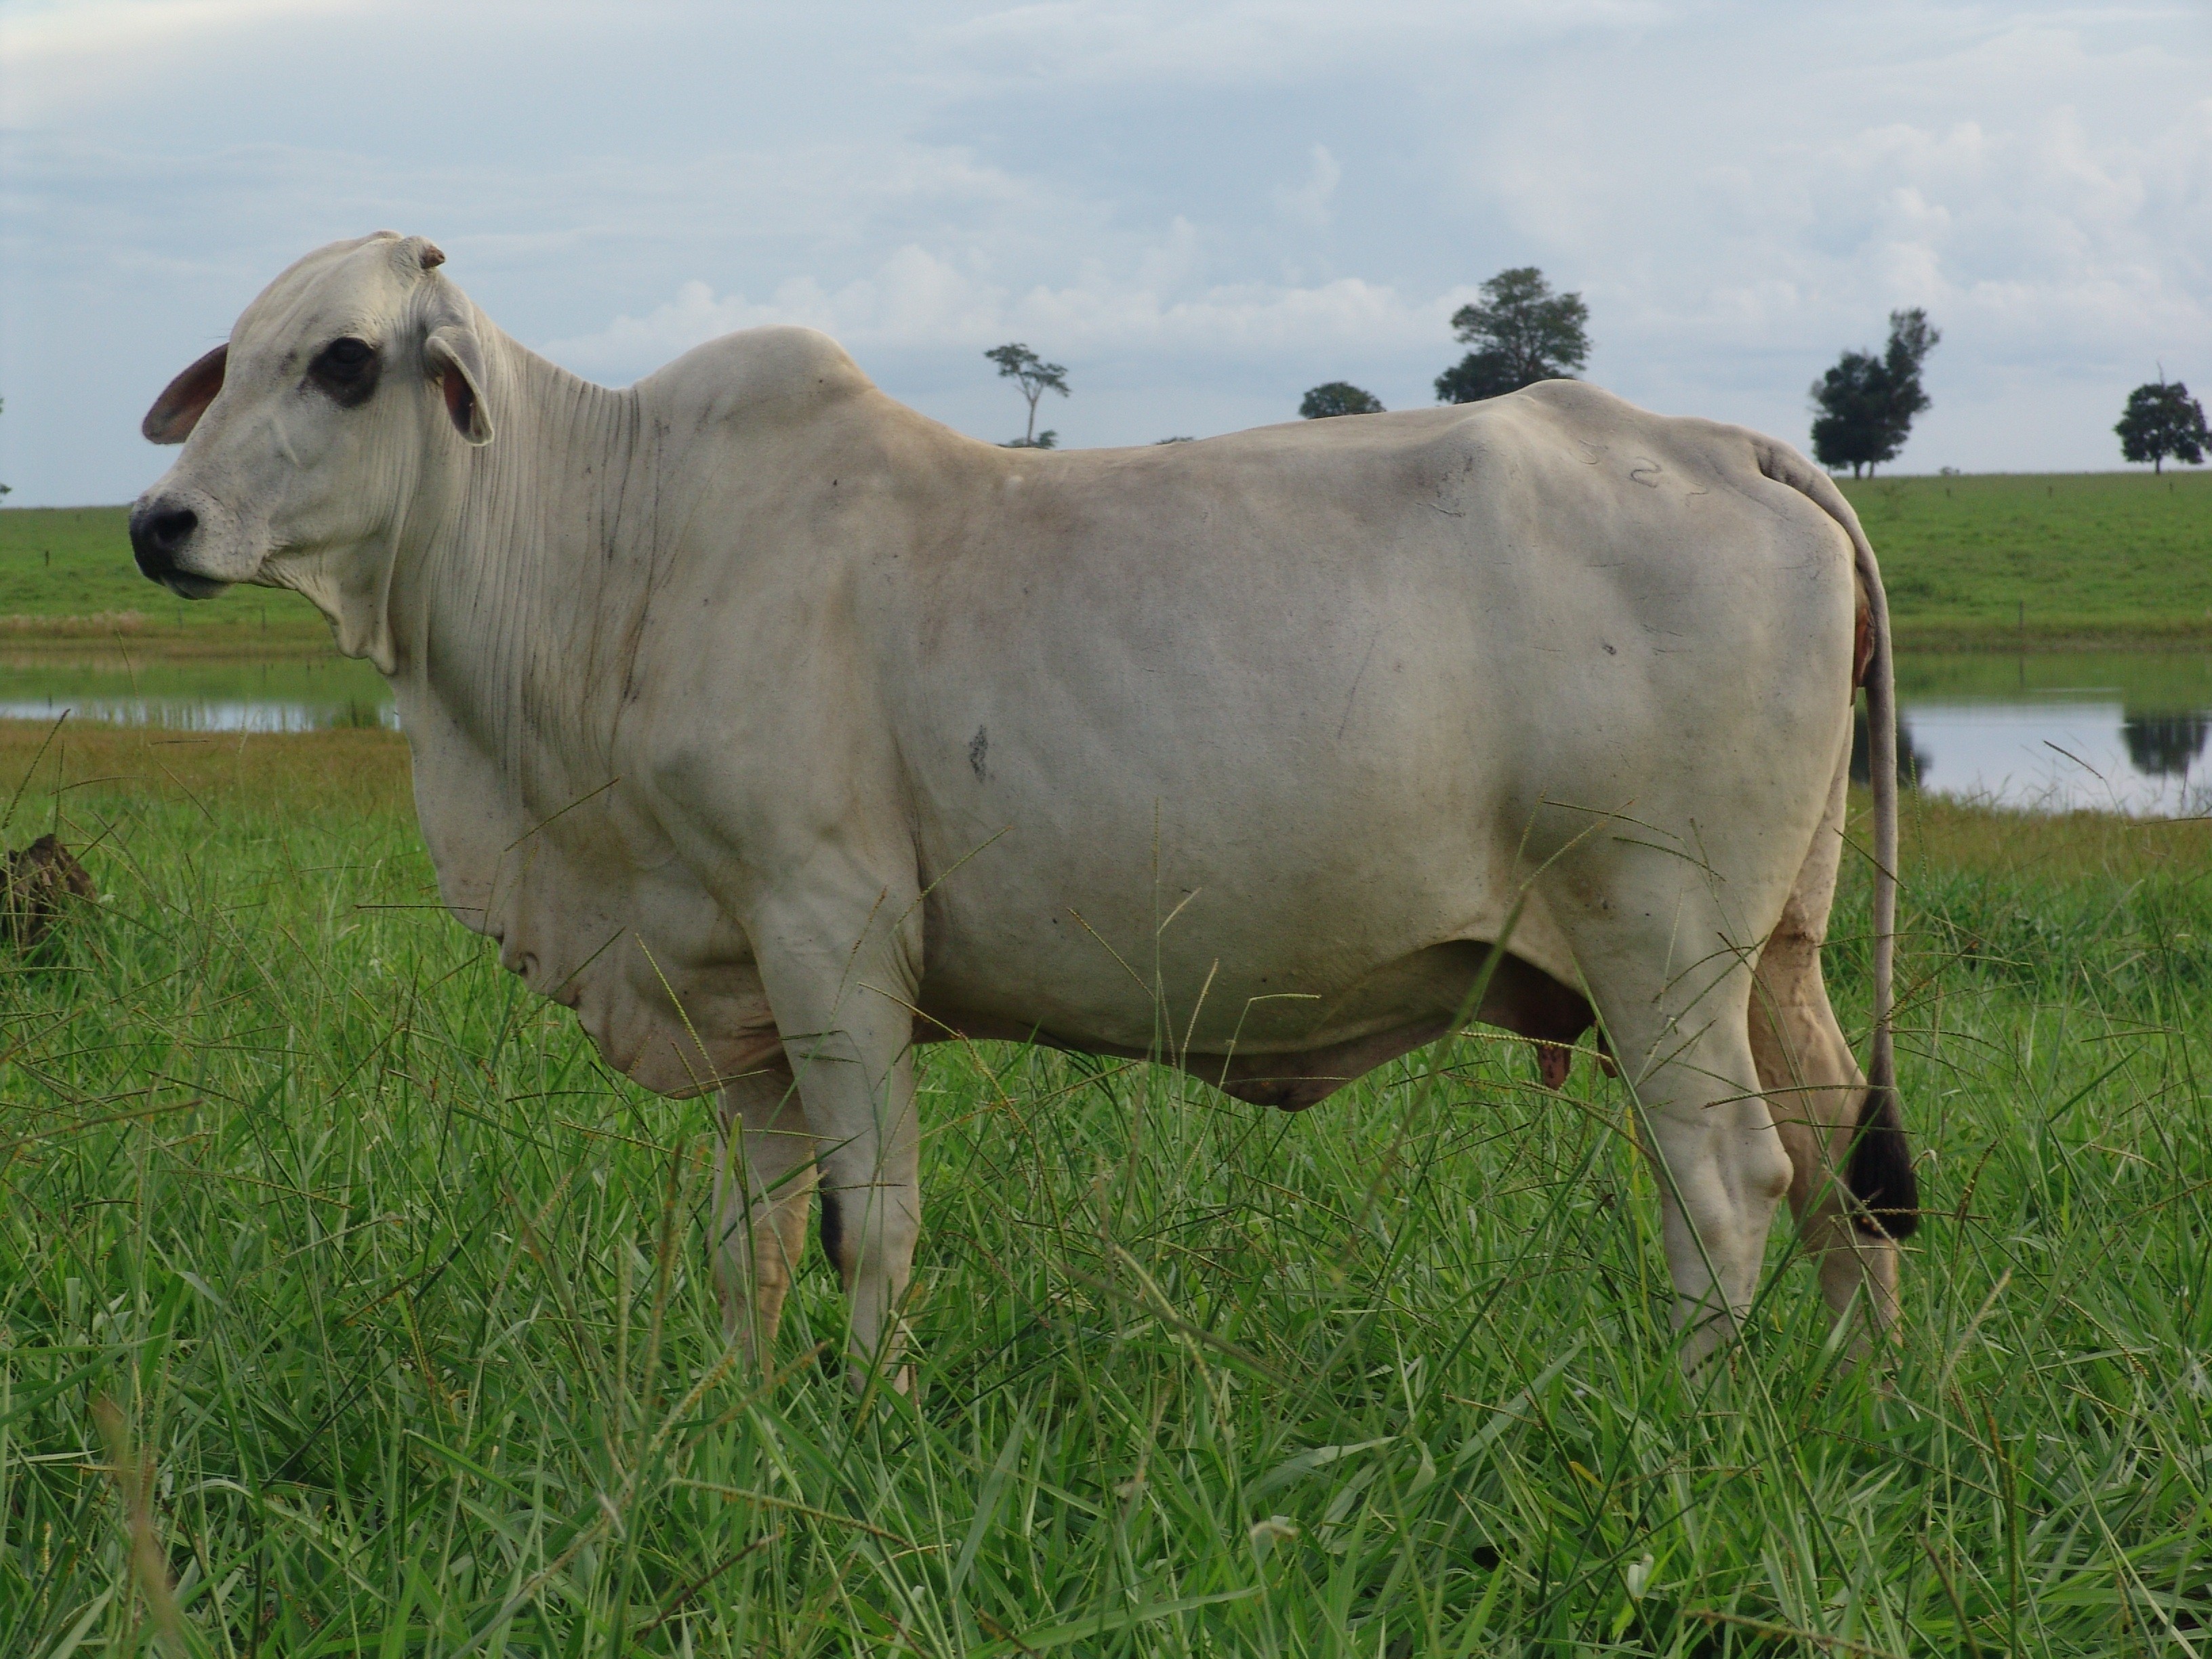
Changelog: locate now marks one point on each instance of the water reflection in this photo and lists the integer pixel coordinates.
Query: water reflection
(2109, 731)
(178, 714)
(271, 693)
(2062, 755)
(2115, 731)
(1910, 759)
(2165, 745)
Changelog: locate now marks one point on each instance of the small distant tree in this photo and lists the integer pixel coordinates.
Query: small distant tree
(1178, 439)
(1333, 397)
(1849, 402)
(1522, 333)
(2161, 420)
(1033, 377)
(1863, 408)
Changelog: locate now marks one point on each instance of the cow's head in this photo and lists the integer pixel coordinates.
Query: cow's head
(340, 411)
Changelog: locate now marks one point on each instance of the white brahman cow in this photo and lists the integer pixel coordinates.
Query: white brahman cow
(775, 729)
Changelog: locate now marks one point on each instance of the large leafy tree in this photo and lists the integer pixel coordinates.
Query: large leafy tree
(1863, 408)
(2161, 420)
(1521, 332)
(1033, 377)
(1333, 397)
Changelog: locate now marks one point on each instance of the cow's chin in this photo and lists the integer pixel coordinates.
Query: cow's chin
(185, 585)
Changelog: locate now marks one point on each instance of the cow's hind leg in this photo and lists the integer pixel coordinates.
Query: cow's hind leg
(763, 1179)
(1673, 988)
(1816, 1093)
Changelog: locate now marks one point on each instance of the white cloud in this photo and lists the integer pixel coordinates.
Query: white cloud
(913, 298)
(53, 55)
(1307, 204)
(1118, 42)
(916, 301)
(31, 35)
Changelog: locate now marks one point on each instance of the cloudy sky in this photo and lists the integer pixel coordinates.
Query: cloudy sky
(1200, 208)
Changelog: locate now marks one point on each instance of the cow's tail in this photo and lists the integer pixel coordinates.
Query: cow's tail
(1880, 1172)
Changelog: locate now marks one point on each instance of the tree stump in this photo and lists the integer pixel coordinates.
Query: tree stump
(39, 882)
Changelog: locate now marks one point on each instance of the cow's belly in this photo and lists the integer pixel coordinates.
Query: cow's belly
(1267, 888)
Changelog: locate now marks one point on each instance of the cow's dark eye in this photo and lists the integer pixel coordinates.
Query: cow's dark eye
(346, 370)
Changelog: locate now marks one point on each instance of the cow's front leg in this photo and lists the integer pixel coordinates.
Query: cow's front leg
(843, 997)
(763, 1179)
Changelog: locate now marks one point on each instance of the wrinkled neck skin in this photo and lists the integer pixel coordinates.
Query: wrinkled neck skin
(516, 607)
(515, 600)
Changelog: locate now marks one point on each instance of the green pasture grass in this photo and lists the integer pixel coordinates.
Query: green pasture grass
(66, 574)
(348, 1306)
(1994, 559)
(1982, 561)
(2151, 682)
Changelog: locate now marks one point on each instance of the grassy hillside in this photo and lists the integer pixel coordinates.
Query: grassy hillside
(340, 1285)
(2093, 557)
(66, 574)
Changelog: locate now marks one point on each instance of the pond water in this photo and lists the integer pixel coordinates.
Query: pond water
(305, 693)
(2115, 731)
(2112, 731)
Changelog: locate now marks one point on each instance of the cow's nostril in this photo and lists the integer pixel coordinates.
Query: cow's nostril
(159, 535)
(170, 531)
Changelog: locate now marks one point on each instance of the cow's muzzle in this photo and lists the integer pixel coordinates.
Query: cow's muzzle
(161, 532)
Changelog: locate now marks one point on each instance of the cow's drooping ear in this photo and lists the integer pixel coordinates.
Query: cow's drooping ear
(178, 409)
(456, 362)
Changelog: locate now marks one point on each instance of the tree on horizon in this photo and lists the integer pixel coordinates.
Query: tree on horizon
(1863, 408)
(1335, 398)
(1033, 377)
(1521, 332)
(2162, 419)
